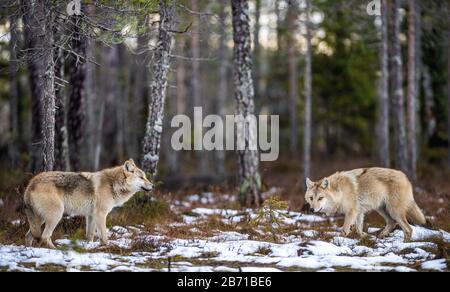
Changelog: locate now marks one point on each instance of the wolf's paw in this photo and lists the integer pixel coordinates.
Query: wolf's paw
(383, 234)
(346, 233)
(363, 234)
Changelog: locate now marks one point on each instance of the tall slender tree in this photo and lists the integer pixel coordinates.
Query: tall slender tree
(429, 103)
(196, 88)
(249, 177)
(62, 161)
(77, 72)
(35, 70)
(140, 85)
(158, 87)
(412, 88)
(398, 101)
(308, 96)
(222, 93)
(110, 90)
(448, 74)
(39, 24)
(47, 82)
(383, 111)
(292, 18)
(14, 92)
(257, 50)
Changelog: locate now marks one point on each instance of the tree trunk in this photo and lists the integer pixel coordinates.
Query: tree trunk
(448, 75)
(77, 71)
(430, 118)
(293, 74)
(123, 104)
(110, 80)
(222, 93)
(137, 111)
(249, 177)
(257, 51)
(201, 156)
(412, 89)
(158, 87)
(61, 139)
(401, 147)
(279, 26)
(48, 84)
(383, 111)
(419, 65)
(14, 93)
(35, 70)
(308, 96)
(94, 107)
(38, 21)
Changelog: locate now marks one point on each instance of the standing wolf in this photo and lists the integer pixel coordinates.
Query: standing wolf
(50, 195)
(357, 192)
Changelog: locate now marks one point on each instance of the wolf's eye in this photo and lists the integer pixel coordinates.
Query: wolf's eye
(320, 199)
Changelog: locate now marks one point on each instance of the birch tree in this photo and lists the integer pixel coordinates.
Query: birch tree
(383, 111)
(158, 87)
(398, 101)
(292, 19)
(308, 96)
(412, 89)
(248, 160)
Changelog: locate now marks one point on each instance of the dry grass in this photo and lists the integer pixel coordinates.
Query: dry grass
(432, 194)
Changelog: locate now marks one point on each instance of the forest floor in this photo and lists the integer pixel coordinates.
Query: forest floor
(207, 231)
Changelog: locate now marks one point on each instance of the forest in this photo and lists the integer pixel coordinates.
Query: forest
(88, 85)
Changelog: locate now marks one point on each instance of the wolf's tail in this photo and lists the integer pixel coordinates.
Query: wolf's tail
(416, 216)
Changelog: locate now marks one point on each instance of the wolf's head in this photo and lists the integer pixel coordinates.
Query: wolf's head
(136, 178)
(320, 196)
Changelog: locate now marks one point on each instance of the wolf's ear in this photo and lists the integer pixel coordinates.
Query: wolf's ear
(129, 166)
(309, 183)
(325, 183)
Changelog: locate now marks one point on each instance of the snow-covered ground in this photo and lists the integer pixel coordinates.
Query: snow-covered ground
(312, 244)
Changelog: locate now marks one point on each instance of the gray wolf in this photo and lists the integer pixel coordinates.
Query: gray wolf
(50, 195)
(355, 193)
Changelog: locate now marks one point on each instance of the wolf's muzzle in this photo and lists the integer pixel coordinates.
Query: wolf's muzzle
(145, 189)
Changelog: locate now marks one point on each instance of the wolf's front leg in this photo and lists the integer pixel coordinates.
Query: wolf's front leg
(90, 228)
(360, 225)
(350, 220)
(100, 223)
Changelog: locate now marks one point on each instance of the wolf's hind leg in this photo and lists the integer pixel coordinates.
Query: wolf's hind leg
(390, 223)
(51, 221)
(407, 229)
(400, 217)
(35, 222)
